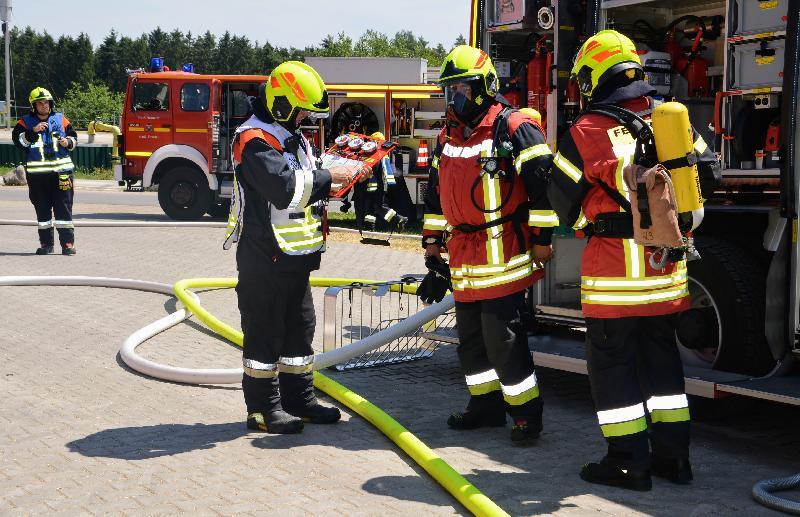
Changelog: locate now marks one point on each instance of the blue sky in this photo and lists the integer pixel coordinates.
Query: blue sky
(284, 23)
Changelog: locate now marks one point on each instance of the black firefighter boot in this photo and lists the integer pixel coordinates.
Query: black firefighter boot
(527, 422)
(264, 411)
(482, 411)
(298, 399)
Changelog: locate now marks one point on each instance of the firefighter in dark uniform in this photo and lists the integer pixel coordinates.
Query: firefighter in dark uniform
(370, 198)
(46, 138)
(630, 308)
(487, 190)
(277, 212)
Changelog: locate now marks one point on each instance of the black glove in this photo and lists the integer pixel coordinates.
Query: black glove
(31, 136)
(436, 283)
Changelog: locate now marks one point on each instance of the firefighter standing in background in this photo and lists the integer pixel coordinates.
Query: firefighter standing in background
(487, 186)
(369, 198)
(278, 214)
(630, 308)
(46, 138)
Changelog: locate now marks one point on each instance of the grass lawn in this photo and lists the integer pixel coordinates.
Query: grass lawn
(348, 220)
(81, 173)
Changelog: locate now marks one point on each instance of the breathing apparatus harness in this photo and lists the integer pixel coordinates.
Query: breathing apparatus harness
(493, 165)
(620, 225)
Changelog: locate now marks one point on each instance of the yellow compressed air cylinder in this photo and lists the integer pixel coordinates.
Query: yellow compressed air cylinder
(532, 113)
(674, 140)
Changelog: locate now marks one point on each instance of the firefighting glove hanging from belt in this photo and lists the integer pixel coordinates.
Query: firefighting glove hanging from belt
(436, 283)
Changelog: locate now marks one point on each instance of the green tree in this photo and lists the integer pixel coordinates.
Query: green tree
(202, 52)
(84, 103)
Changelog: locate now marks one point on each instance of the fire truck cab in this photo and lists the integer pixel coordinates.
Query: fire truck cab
(176, 131)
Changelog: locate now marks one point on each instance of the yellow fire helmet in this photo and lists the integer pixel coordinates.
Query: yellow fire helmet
(465, 63)
(40, 94)
(377, 135)
(292, 87)
(532, 113)
(603, 56)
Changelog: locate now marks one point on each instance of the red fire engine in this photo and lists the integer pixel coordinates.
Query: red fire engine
(177, 128)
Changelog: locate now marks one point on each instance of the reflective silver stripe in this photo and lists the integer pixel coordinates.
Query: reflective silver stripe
(22, 140)
(303, 185)
(530, 153)
(43, 225)
(613, 284)
(370, 218)
(481, 378)
(567, 167)
(516, 389)
(467, 152)
(542, 218)
(256, 365)
(434, 222)
(632, 298)
(64, 224)
(297, 361)
(624, 414)
(667, 402)
(389, 215)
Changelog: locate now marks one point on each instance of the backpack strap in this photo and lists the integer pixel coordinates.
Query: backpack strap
(245, 136)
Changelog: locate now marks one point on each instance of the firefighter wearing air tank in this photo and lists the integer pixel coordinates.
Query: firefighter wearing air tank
(630, 306)
(46, 138)
(487, 191)
(276, 217)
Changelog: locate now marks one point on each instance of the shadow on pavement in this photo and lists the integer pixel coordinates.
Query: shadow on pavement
(391, 486)
(141, 443)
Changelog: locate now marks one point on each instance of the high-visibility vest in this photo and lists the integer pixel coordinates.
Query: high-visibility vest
(298, 228)
(45, 154)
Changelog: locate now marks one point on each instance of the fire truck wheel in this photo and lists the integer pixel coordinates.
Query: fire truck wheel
(724, 329)
(183, 194)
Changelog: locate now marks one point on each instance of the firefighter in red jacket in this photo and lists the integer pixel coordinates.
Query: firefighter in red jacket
(278, 213)
(487, 190)
(630, 308)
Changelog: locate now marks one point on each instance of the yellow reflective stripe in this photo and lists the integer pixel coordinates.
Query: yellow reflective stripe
(633, 298)
(530, 153)
(700, 145)
(162, 129)
(542, 218)
(191, 130)
(136, 129)
(491, 269)
(522, 398)
(581, 223)
(567, 167)
(624, 428)
(459, 284)
(138, 153)
(483, 389)
(635, 284)
(491, 202)
(670, 415)
(434, 222)
(435, 162)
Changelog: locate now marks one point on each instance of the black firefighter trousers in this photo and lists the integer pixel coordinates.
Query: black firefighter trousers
(51, 194)
(635, 369)
(278, 321)
(495, 358)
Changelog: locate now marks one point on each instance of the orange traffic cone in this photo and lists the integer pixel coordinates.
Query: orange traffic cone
(422, 155)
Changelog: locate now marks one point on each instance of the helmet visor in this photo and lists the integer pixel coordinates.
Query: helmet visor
(465, 86)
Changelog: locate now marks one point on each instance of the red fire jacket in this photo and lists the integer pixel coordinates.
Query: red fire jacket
(494, 261)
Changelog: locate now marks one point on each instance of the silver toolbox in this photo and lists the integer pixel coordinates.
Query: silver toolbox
(757, 16)
(757, 65)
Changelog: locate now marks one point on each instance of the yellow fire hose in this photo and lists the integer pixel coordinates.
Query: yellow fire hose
(464, 491)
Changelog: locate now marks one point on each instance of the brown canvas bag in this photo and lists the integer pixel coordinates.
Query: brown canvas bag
(658, 208)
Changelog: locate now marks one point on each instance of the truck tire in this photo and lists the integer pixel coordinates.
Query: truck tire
(724, 329)
(183, 193)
